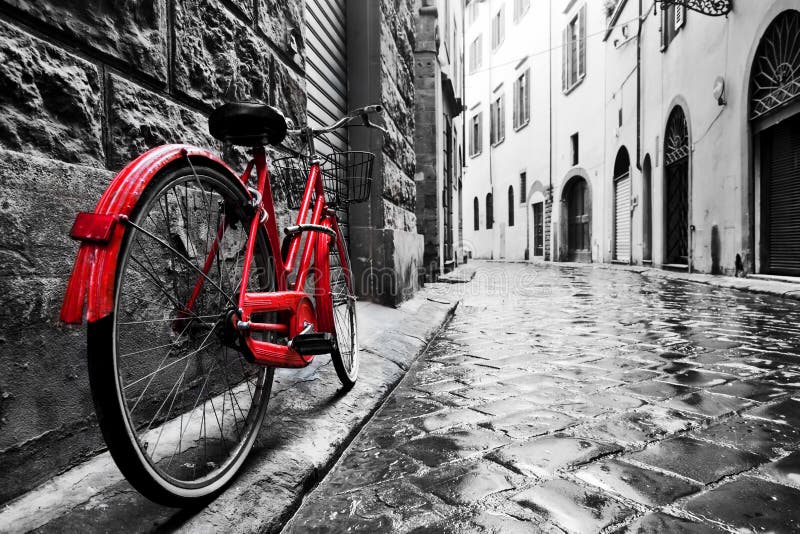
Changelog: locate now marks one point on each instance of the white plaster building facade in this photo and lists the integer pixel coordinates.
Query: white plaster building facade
(688, 145)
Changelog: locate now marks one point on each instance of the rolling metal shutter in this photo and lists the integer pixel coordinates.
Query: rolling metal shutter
(622, 218)
(326, 68)
(783, 197)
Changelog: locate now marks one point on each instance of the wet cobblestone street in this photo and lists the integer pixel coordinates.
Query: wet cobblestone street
(583, 399)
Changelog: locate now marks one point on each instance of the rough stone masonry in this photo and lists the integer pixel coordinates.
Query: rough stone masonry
(84, 88)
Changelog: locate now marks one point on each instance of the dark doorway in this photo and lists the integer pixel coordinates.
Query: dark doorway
(775, 117)
(780, 170)
(622, 206)
(538, 229)
(676, 176)
(647, 210)
(579, 218)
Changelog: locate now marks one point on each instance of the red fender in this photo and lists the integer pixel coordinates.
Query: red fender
(93, 275)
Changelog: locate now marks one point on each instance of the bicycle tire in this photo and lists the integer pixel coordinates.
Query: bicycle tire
(158, 419)
(345, 355)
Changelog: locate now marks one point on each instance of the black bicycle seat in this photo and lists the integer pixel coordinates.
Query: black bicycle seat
(247, 124)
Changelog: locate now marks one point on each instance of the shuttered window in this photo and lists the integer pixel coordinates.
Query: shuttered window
(498, 27)
(522, 100)
(520, 8)
(497, 126)
(476, 134)
(673, 18)
(573, 54)
(475, 54)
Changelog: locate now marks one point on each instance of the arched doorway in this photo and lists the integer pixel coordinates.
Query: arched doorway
(676, 178)
(775, 121)
(577, 200)
(622, 206)
(647, 210)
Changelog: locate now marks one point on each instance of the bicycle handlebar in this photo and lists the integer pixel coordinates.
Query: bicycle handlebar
(362, 113)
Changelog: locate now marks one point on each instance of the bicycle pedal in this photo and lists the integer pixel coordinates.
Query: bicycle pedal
(313, 343)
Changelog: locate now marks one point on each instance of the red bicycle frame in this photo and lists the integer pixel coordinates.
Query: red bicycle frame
(289, 297)
(101, 234)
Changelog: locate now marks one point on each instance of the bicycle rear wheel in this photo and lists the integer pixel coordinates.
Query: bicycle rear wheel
(178, 402)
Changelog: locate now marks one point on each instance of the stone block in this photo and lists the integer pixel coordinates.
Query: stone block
(398, 147)
(386, 263)
(572, 507)
(277, 19)
(245, 7)
(697, 460)
(139, 120)
(290, 96)
(398, 218)
(50, 101)
(750, 505)
(397, 187)
(218, 57)
(132, 32)
(45, 403)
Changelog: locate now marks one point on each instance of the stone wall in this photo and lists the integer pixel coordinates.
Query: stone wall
(426, 135)
(386, 249)
(85, 87)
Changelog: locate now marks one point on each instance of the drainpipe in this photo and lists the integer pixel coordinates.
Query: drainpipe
(639, 91)
(549, 195)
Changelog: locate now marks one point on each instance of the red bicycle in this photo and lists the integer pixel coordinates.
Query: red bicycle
(189, 307)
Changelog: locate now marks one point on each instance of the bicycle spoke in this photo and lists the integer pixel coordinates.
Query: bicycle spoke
(191, 402)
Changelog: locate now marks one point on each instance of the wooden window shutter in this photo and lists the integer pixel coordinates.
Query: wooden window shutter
(516, 102)
(582, 42)
(680, 16)
(564, 58)
(526, 96)
(501, 109)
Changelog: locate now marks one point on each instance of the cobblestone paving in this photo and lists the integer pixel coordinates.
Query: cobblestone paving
(580, 399)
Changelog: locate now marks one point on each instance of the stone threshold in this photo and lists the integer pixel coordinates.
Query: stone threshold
(309, 425)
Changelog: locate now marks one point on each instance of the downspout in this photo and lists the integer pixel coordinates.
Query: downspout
(550, 133)
(639, 91)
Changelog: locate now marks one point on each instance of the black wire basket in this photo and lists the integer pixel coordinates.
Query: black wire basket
(346, 177)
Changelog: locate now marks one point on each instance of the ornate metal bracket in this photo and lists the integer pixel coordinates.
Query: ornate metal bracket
(713, 8)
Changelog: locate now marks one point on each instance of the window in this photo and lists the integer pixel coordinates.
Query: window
(520, 8)
(499, 27)
(476, 134)
(497, 122)
(475, 54)
(473, 11)
(522, 100)
(489, 212)
(511, 205)
(673, 18)
(574, 143)
(523, 186)
(573, 51)
(476, 214)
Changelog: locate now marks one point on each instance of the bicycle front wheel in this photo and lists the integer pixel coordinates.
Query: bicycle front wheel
(343, 303)
(178, 401)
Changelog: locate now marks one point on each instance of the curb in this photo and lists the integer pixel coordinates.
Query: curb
(309, 426)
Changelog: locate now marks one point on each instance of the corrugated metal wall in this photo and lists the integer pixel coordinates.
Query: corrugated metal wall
(326, 67)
